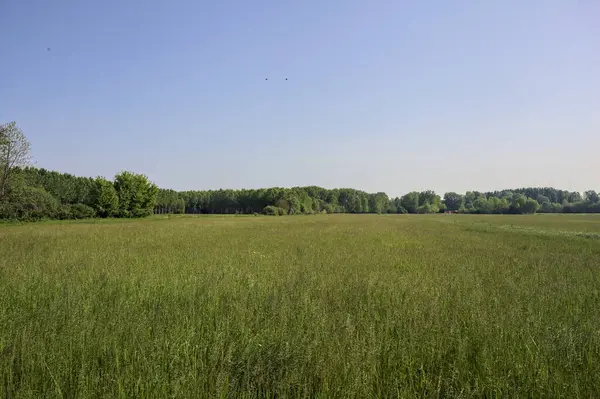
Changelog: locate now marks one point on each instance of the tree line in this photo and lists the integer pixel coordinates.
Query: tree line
(312, 199)
(28, 193)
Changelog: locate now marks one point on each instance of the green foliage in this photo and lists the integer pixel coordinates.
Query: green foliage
(14, 153)
(82, 211)
(410, 202)
(169, 201)
(64, 212)
(594, 208)
(75, 211)
(530, 206)
(105, 199)
(30, 204)
(425, 208)
(283, 204)
(431, 198)
(453, 201)
(66, 188)
(25, 194)
(379, 202)
(137, 195)
(274, 211)
(592, 196)
(330, 208)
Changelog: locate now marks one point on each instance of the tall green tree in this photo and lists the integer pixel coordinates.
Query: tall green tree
(105, 199)
(380, 202)
(137, 195)
(530, 206)
(14, 153)
(453, 201)
(430, 197)
(592, 196)
(410, 202)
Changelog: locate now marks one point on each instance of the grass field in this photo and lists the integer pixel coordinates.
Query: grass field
(303, 306)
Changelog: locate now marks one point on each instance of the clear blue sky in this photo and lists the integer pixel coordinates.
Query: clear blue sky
(382, 95)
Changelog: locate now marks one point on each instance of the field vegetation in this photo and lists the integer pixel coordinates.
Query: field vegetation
(302, 306)
(31, 194)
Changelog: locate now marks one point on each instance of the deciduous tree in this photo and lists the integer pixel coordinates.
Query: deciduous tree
(14, 152)
(453, 201)
(137, 195)
(410, 202)
(104, 198)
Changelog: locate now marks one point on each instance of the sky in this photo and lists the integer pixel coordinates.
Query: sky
(382, 95)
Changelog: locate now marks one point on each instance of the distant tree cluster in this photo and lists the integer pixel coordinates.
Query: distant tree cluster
(37, 194)
(310, 200)
(274, 201)
(28, 193)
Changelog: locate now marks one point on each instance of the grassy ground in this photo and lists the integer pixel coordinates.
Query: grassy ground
(304, 306)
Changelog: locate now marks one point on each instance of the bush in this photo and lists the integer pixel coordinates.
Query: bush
(65, 212)
(329, 208)
(272, 210)
(81, 211)
(576, 207)
(33, 203)
(283, 204)
(594, 208)
(425, 208)
(8, 211)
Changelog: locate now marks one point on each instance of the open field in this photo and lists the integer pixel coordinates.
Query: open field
(302, 306)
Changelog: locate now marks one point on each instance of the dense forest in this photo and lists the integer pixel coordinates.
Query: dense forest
(28, 193)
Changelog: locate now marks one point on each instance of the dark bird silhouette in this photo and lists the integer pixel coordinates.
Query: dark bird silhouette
(285, 78)
(47, 48)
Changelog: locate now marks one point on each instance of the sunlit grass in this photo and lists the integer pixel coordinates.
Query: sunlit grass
(337, 305)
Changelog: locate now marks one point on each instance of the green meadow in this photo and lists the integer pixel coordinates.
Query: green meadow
(302, 306)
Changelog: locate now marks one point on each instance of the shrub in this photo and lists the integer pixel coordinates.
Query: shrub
(329, 208)
(33, 203)
(283, 204)
(65, 212)
(81, 211)
(8, 211)
(425, 208)
(273, 210)
(594, 208)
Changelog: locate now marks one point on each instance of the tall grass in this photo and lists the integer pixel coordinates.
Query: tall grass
(306, 306)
